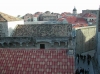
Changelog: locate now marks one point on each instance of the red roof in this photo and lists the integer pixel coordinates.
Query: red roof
(71, 19)
(89, 15)
(74, 20)
(81, 21)
(78, 22)
(21, 61)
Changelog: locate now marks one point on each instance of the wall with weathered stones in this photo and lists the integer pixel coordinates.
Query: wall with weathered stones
(85, 39)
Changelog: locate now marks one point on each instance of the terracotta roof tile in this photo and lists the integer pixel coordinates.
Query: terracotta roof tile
(71, 19)
(75, 20)
(14, 61)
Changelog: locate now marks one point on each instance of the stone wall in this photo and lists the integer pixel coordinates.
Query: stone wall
(85, 39)
(3, 29)
(32, 42)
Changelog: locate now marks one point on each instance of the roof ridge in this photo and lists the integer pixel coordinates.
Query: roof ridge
(3, 18)
(8, 17)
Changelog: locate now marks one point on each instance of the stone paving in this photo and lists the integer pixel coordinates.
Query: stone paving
(85, 64)
(95, 67)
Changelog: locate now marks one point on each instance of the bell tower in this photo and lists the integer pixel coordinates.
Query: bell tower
(74, 11)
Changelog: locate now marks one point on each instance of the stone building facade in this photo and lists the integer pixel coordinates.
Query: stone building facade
(90, 11)
(36, 43)
(47, 16)
(40, 36)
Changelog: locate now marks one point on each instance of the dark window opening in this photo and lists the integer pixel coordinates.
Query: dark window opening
(42, 46)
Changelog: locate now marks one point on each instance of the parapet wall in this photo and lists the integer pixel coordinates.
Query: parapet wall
(32, 42)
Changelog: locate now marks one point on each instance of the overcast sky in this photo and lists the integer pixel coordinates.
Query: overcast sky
(21, 7)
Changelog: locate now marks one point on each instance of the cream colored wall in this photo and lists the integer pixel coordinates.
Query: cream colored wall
(85, 39)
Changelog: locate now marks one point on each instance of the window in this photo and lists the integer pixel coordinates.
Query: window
(42, 46)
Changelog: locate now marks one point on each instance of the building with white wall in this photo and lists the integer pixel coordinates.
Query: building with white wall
(8, 24)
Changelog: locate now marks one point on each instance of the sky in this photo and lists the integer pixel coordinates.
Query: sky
(21, 7)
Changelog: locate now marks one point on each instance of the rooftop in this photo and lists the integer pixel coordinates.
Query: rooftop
(42, 30)
(23, 61)
(6, 17)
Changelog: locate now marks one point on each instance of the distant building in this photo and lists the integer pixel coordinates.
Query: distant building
(75, 21)
(48, 16)
(8, 24)
(64, 14)
(90, 18)
(28, 17)
(75, 11)
(90, 11)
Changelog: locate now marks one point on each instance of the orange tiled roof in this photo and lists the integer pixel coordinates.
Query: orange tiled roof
(71, 19)
(81, 21)
(21, 61)
(74, 20)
